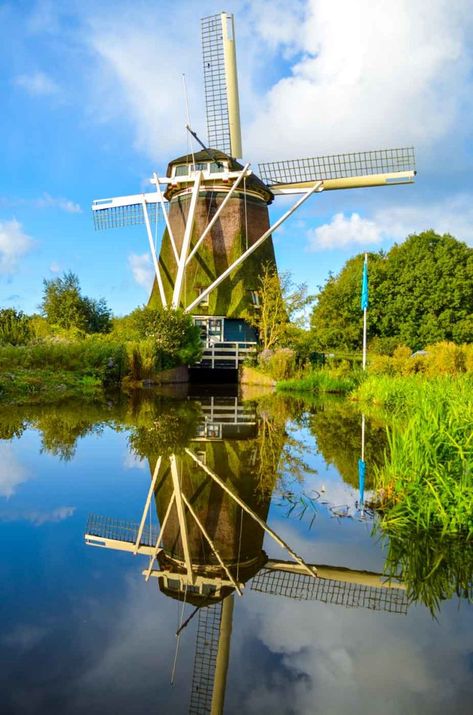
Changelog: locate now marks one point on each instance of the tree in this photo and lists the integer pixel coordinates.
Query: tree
(421, 292)
(281, 305)
(14, 327)
(65, 306)
(172, 333)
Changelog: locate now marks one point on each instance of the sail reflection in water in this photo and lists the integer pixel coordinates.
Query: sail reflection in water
(213, 519)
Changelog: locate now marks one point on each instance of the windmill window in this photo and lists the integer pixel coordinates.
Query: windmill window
(202, 456)
(204, 303)
(255, 298)
(216, 168)
(200, 166)
(181, 170)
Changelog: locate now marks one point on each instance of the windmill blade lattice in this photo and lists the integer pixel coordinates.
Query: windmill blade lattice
(221, 84)
(351, 595)
(338, 166)
(206, 649)
(121, 216)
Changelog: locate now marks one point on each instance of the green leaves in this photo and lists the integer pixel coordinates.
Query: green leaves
(421, 291)
(64, 305)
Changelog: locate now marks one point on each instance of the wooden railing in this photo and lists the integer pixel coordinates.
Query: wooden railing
(225, 354)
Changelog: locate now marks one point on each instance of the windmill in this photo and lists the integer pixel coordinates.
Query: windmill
(209, 544)
(215, 209)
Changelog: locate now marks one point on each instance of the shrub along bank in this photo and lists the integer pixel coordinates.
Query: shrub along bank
(137, 349)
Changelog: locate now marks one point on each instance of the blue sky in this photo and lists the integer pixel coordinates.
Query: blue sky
(92, 104)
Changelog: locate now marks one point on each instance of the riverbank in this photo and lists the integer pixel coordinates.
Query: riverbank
(427, 476)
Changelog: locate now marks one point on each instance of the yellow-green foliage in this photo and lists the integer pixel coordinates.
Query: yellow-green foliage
(443, 358)
(280, 364)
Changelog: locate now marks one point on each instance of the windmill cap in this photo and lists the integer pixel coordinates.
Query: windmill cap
(252, 182)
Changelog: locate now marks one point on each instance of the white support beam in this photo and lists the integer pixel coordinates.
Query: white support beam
(117, 201)
(181, 516)
(147, 503)
(156, 549)
(339, 573)
(166, 217)
(153, 254)
(216, 216)
(318, 186)
(308, 569)
(181, 266)
(212, 545)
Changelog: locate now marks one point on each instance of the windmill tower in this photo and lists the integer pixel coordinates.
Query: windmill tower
(218, 232)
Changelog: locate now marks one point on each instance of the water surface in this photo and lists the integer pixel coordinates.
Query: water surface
(83, 631)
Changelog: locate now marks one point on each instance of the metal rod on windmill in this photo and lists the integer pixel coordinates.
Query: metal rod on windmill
(364, 305)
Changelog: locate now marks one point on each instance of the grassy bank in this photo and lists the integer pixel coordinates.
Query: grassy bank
(321, 381)
(427, 479)
(52, 370)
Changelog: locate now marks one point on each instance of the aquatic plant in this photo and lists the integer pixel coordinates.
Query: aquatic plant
(432, 567)
(427, 478)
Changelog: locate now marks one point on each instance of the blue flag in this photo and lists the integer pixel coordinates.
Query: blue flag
(364, 286)
(361, 479)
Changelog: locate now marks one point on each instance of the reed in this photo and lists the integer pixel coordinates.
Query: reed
(327, 381)
(432, 567)
(426, 481)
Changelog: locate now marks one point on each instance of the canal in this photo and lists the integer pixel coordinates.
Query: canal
(129, 528)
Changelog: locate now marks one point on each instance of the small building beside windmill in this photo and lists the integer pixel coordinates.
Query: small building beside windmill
(222, 315)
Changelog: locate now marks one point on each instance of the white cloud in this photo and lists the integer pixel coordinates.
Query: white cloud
(43, 202)
(133, 461)
(345, 231)
(372, 73)
(37, 84)
(14, 243)
(142, 269)
(454, 215)
(12, 473)
(55, 267)
(47, 201)
(38, 518)
(357, 74)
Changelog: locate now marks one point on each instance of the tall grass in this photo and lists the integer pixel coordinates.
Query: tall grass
(427, 479)
(433, 568)
(321, 381)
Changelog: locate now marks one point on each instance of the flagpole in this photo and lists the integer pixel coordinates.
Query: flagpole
(365, 319)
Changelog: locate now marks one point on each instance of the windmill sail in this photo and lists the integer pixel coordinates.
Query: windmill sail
(330, 590)
(341, 171)
(206, 650)
(221, 84)
(124, 211)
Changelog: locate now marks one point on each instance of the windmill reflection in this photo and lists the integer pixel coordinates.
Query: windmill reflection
(213, 520)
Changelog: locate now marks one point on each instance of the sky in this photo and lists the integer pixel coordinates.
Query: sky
(92, 103)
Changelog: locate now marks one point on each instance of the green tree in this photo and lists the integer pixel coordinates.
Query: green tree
(421, 292)
(65, 306)
(281, 308)
(15, 327)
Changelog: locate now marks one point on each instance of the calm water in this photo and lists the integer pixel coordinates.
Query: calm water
(83, 631)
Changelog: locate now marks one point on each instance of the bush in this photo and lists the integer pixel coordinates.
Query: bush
(15, 327)
(165, 338)
(445, 359)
